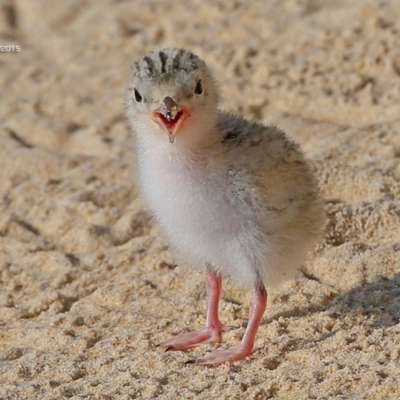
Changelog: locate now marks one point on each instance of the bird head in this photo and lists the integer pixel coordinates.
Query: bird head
(172, 96)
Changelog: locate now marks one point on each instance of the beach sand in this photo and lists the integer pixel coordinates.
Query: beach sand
(87, 285)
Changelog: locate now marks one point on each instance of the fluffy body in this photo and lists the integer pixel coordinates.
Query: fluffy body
(230, 194)
(246, 205)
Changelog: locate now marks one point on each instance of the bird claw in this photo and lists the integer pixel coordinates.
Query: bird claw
(220, 357)
(195, 338)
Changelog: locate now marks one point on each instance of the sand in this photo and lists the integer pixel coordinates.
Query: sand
(87, 285)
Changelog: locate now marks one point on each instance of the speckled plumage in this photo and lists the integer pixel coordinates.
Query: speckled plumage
(230, 194)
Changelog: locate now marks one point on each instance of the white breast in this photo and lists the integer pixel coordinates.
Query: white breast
(191, 201)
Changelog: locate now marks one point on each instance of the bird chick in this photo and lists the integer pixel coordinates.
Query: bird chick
(231, 195)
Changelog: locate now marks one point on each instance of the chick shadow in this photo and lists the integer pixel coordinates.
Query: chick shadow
(379, 302)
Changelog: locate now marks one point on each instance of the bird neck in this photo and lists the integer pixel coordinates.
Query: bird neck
(183, 152)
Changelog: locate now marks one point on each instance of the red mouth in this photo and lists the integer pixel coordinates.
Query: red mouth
(170, 124)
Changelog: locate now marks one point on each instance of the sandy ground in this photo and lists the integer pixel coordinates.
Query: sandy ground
(87, 286)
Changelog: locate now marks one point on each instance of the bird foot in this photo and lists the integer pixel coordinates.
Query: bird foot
(195, 338)
(219, 357)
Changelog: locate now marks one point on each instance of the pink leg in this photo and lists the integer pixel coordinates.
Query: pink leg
(258, 304)
(214, 328)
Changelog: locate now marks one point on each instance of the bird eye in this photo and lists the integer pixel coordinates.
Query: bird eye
(138, 96)
(199, 87)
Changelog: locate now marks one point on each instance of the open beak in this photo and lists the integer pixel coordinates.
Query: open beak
(170, 116)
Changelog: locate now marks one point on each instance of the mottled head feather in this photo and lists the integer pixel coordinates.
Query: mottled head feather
(175, 73)
(164, 64)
